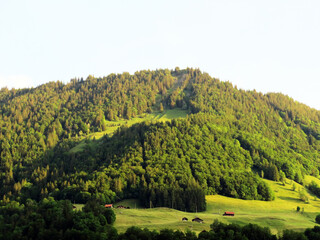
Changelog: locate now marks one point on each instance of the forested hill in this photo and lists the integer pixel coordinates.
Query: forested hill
(229, 138)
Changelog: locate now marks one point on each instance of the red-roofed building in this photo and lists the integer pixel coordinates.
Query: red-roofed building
(108, 206)
(228, 214)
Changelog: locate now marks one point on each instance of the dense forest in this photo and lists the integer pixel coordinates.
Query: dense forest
(50, 219)
(229, 141)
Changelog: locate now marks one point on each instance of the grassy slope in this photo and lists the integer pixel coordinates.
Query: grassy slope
(309, 179)
(112, 126)
(278, 215)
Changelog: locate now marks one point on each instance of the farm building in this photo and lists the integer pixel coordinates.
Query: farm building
(228, 214)
(184, 219)
(123, 207)
(108, 206)
(199, 220)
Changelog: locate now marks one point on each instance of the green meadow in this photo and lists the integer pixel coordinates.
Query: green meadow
(278, 215)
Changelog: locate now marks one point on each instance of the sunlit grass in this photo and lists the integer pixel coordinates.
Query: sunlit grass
(112, 126)
(308, 179)
(278, 215)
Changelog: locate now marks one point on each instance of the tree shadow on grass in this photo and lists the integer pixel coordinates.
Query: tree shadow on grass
(290, 199)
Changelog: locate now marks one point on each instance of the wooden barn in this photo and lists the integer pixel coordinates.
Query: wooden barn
(228, 214)
(108, 206)
(199, 220)
(123, 207)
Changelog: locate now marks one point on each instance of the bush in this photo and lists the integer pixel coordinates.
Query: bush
(292, 235)
(303, 196)
(318, 219)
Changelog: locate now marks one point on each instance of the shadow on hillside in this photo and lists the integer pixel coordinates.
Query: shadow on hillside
(75, 155)
(290, 199)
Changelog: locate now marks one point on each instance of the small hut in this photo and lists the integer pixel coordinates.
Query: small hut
(228, 214)
(199, 220)
(184, 219)
(108, 206)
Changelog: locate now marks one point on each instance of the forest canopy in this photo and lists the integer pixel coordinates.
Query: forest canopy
(230, 139)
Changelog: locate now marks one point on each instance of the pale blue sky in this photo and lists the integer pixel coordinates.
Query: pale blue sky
(270, 46)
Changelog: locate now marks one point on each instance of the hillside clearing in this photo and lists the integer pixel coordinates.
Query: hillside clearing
(112, 126)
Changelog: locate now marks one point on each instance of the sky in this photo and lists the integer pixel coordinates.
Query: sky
(270, 46)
